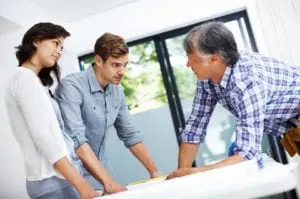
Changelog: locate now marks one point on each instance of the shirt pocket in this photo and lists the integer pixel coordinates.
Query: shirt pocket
(93, 114)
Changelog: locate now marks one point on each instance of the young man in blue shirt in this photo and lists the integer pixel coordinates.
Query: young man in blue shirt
(92, 103)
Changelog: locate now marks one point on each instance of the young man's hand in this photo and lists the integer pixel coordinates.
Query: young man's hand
(111, 187)
(155, 174)
(87, 192)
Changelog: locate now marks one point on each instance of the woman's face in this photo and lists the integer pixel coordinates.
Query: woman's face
(48, 51)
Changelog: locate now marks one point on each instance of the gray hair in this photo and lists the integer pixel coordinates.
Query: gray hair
(211, 38)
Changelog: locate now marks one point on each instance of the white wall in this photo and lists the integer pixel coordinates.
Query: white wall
(276, 25)
(133, 21)
(11, 167)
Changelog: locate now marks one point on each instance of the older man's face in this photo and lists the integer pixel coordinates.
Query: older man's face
(200, 65)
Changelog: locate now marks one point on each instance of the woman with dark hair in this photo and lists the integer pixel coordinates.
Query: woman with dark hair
(34, 119)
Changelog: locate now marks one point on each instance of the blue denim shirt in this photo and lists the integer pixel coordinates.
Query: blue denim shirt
(69, 142)
(90, 113)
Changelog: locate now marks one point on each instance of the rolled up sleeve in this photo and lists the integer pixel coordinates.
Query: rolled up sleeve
(70, 99)
(126, 131)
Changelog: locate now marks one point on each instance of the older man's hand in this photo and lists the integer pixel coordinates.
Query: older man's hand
(183, 172)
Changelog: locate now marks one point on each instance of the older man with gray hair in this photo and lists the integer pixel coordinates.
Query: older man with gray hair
(261, 92)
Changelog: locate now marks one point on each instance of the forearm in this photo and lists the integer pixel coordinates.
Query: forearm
(226, 162)
(187, 154)
(140, 152)
(92, 164)
(187, 171)
(65, 168)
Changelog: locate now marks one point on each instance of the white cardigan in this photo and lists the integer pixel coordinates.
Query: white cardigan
(34, 124)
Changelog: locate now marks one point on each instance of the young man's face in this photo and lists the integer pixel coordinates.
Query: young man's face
(114, 69)
(201, 65)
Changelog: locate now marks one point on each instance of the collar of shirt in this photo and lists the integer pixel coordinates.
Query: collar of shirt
(93, 82)
(225, 79)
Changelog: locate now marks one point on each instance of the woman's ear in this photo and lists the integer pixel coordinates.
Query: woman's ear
(36, 43)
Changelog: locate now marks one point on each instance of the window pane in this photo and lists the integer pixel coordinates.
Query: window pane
(185, 78)
(143, 84)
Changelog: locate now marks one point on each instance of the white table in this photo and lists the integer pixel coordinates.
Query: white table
(242, 180)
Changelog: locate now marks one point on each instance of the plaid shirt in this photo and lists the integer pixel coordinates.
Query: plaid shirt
(261, 92)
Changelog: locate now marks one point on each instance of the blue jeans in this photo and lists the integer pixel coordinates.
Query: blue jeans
(51, 188)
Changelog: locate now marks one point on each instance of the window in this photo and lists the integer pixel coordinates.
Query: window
(159, 90)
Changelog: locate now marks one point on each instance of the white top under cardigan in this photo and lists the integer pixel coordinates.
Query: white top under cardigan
(34, 124)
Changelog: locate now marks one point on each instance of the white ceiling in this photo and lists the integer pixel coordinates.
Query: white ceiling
(7, 26)
(16, 14)
(72, 10)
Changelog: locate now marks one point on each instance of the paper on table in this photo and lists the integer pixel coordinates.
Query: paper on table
(145, 183)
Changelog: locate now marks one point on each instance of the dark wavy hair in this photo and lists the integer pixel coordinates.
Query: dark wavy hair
(26, 50)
